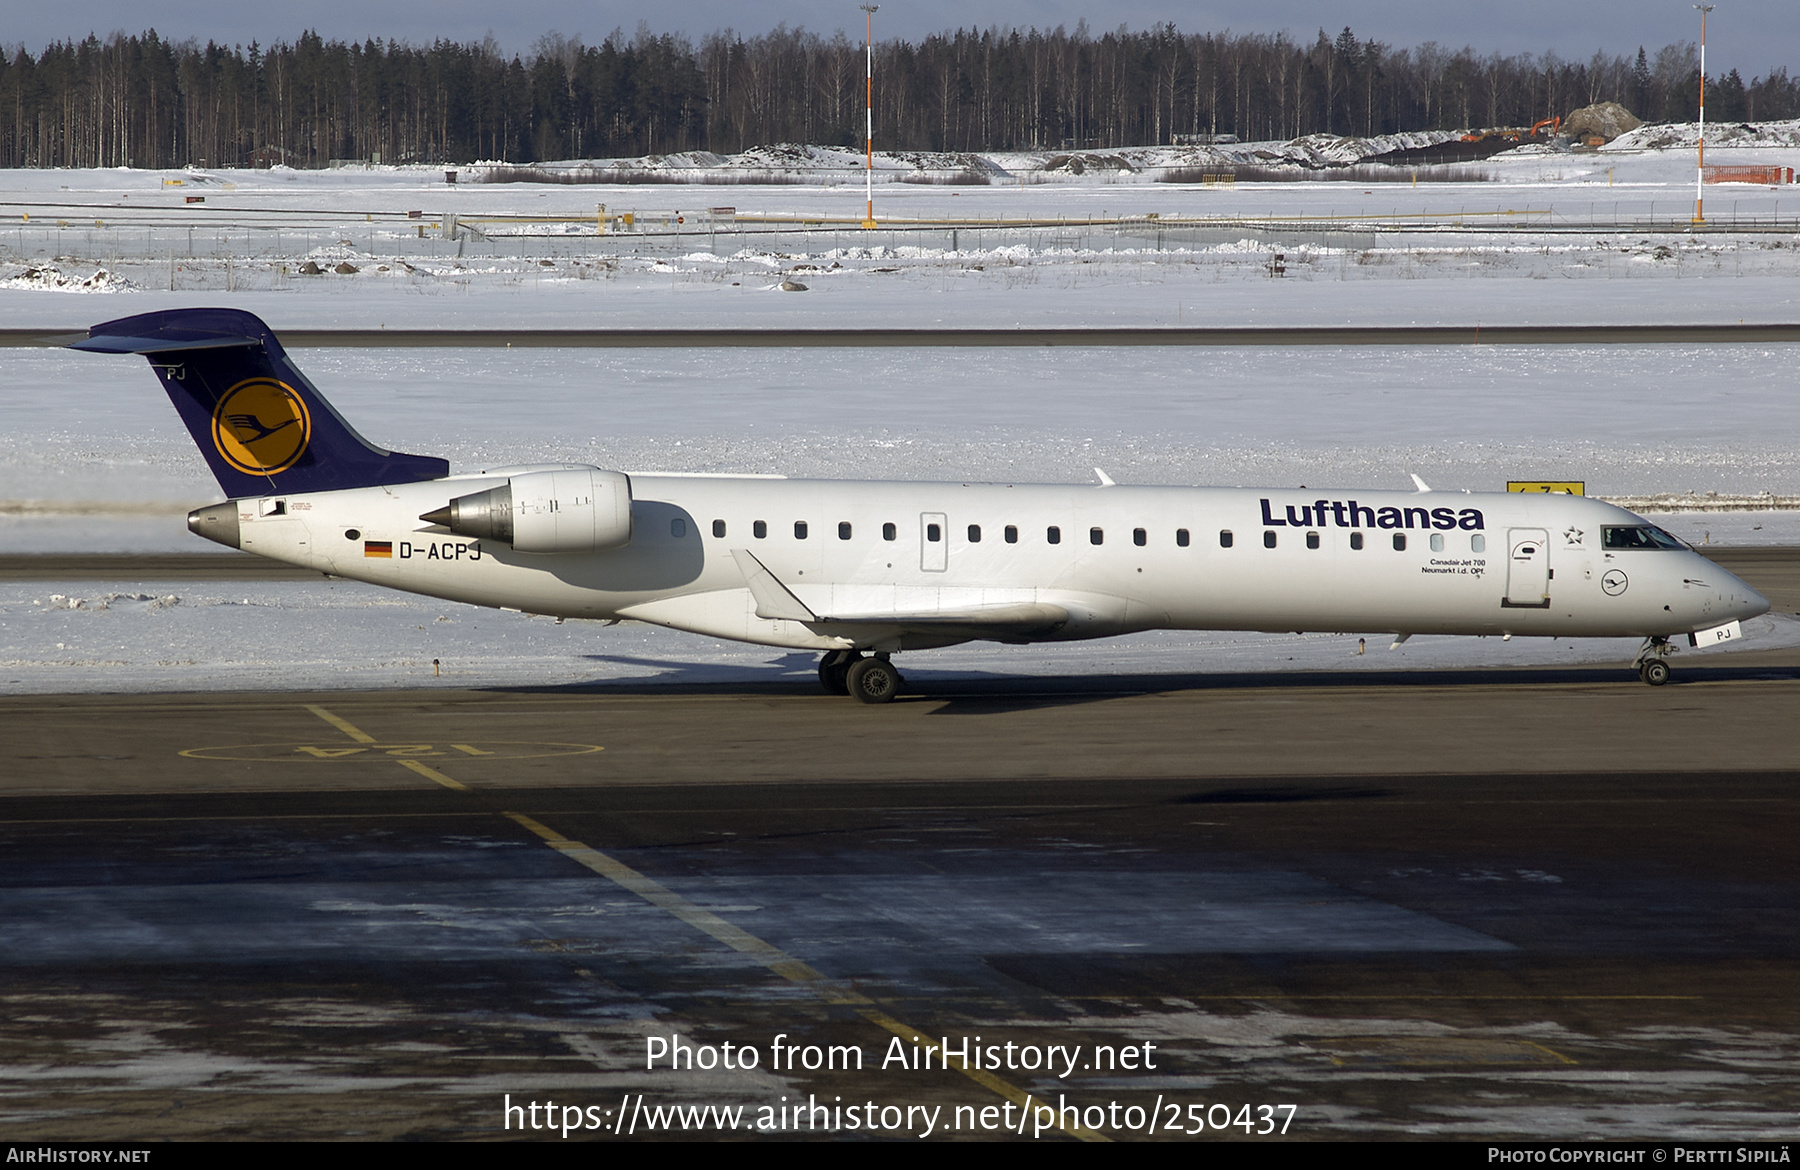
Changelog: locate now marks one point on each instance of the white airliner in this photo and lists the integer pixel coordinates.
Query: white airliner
(863, 570)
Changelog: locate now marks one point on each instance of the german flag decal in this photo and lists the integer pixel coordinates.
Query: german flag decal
(378, 548)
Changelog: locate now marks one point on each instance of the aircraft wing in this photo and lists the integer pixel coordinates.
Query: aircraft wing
(775, 600)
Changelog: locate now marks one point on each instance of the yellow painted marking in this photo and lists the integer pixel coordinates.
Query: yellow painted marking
(771, 956)
(343, 725)
(431, 773)
(1551, 1051)
(308, 753)
(360, 736)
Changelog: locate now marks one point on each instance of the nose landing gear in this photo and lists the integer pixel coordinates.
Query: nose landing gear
(1652, 662)
(868, 679)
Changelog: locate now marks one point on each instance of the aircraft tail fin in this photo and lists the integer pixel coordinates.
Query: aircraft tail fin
(261, 425)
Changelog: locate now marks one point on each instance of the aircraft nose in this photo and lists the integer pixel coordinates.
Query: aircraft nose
(1742, 600)
(1754, 604)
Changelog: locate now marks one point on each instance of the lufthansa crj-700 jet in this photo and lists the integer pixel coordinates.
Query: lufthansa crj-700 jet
(863, 570)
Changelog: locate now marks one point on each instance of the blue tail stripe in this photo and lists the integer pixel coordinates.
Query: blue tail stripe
(261, 425)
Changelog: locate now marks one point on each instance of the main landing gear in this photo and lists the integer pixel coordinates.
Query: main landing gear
(871, 679)
(1653, 662)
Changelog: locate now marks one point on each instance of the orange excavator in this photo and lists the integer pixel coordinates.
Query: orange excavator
(1513, 134)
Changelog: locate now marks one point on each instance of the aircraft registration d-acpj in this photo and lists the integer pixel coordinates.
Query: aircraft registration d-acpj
(862, 570)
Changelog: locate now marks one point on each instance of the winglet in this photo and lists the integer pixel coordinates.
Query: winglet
(772, 597)
(1105, 479)
(1421, 484)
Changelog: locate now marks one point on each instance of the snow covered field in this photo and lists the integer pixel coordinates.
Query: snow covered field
(1550, 237)
(112, 471)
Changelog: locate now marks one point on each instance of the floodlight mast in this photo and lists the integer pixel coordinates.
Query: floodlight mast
(1700, 165)
(869, 118)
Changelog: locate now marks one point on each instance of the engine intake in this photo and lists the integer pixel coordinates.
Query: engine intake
(574, 510)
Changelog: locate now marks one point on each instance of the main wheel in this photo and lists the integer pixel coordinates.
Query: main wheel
(833, 668)
(873, 680)
(1655, 672)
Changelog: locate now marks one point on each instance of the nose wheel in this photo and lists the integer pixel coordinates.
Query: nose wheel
(1653, 662)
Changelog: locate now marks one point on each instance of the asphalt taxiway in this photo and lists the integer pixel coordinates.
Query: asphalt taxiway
(1540, 904)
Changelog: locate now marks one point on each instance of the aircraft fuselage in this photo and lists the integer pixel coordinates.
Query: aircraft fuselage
(1112, 559)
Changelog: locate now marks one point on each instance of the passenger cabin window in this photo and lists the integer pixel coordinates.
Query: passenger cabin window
(1437, 542)
(799, 530)
(1478, 543)
(1096, 536)
(1636, 536)
(1356, 540)
(1269, 538)
(1225, 538)
(1181, 538)
(1312, 540)
(974, 534)
(1012, 534)
(933, 533)
(678, 527)
(1399, 542)
(1053, 534)
(1139, 537)
(843, 530)
(718, 528)
(889, 532)
(760, 529)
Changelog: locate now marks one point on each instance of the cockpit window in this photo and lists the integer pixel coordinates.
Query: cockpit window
(1636, 536)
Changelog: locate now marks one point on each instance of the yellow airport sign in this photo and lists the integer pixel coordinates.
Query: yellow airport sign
(1572, 487)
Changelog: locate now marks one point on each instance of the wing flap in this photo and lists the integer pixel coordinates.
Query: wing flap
(1020, 617)
(774, 601)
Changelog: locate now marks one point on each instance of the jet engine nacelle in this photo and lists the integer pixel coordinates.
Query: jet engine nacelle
(569, 510)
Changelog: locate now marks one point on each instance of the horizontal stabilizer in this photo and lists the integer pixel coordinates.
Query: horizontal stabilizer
(121, 343)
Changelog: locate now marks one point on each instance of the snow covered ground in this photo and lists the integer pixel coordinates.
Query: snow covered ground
(81, 471)
(1550, 237)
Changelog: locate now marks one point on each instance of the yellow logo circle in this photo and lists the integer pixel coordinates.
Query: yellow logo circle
(260, 426)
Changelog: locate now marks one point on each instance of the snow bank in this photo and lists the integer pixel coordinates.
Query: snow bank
(1686, 135)
(49, 278)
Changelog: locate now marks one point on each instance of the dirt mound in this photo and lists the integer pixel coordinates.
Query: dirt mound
(1605, 120)
(1080, 164)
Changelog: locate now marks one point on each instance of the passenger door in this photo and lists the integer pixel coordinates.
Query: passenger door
(1527, 569)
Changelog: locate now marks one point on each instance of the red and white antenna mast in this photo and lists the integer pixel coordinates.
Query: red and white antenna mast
(869, 118)
(1700, 168)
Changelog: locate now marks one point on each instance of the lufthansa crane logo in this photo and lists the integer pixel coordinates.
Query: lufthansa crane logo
(261, 426)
